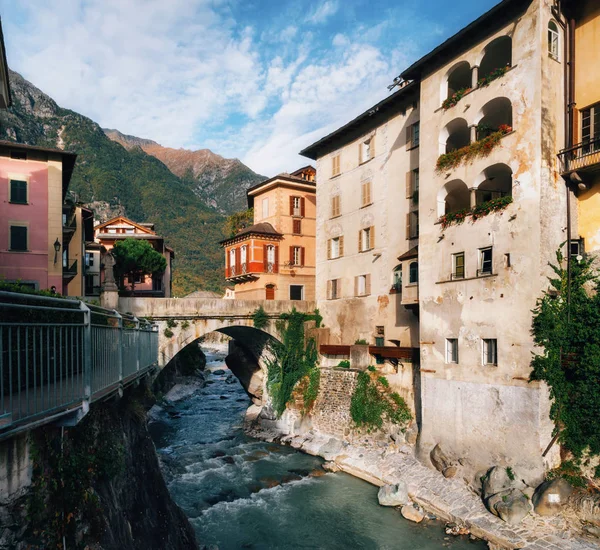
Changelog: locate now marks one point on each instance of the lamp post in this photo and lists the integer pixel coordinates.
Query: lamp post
(56, 249)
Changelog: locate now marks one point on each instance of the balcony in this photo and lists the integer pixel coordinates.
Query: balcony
(69, 227)
(583, 157)
(242, 273)
(69, 272)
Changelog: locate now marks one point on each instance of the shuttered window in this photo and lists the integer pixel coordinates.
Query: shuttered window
(362, 285)
(18, 192)
(334, 289)
(365, 193)
(297, 256)
(335, 206)
(366, 239)
(412, 225)
(335, 248)
(413, 136)
(297, 227)
(335, 165)
(297, 206)
(18, 237)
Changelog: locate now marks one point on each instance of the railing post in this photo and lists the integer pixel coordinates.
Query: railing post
(86, 359)
(137, 343)
(120, 344)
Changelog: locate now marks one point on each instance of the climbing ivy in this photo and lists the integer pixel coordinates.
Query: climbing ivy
(567, 327)
(373, 402)
(260, 319)
(292, 358)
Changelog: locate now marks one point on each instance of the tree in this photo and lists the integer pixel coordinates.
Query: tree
(566, 324)
(238, 221)
(137, 258)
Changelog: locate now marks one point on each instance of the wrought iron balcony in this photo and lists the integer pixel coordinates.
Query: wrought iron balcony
(70, 272)
(583, 157)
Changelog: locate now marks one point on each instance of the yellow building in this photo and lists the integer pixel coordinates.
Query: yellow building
(274, 259)
(581, 156)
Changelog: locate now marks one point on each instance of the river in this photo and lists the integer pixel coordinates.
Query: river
(239, 492)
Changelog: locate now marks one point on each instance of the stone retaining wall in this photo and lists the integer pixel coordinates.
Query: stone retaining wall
(331, 412)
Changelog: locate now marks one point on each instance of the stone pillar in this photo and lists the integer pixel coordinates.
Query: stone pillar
(360, 357)
(473, 129)
(109, 298)
(474, 76)
(473, 196)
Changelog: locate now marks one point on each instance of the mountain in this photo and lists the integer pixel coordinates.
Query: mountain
(112, 178)
(219, 182)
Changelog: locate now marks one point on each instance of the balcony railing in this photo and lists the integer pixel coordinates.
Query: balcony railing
(70, 272)
(56, 354)
(584, 156)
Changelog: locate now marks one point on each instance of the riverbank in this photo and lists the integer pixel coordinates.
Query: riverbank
(448, 499)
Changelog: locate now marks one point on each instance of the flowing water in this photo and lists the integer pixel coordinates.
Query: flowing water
(243, 493)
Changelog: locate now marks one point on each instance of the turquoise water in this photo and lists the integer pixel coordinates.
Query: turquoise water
(243, 493)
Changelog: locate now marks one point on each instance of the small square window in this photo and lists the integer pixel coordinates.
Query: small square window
(489, 351)
(451, 350)
(296, 292)
(577, 248)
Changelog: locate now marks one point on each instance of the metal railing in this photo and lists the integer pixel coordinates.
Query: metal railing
(580, 156)
(56, 354)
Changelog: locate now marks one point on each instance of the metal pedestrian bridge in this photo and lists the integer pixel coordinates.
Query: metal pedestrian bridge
(58, 355)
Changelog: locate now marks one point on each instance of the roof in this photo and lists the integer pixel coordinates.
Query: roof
(262, 228)
(371, 118)
(5, 98)
(123, 219)
(307, 168)
(203, 294)
(68, 159)
(412, 253)
(284, 178)
(464, 39)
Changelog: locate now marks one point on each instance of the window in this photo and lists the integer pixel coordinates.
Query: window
(335, 165)
(18, 192)
(243, 254)
(365, 193)
(232, 257)
(297, 255)
(397, 279)
(485, 261)
(296, 292)
(413, 273)
(270, 292)
(335, 248)
(333, 289)
(412, 136)
(65, 258)
(296, 206)
(18, 155)
(366, 150)
(412, 225)
(577, 248)
(297, 227)
(458, 265)
(489, 350)
(265, 208)
(451, 350)
(18, 238)
(89, 259)
(270, 259)
(553, 40)
(335, 206)
(362, 285)
(590, 128)
(366, 239)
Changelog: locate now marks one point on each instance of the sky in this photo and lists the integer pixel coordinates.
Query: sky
(257, 80)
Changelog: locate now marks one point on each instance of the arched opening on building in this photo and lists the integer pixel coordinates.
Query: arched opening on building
(553, 40)
(493, 183)
(494, 115)
(455, 135)
(397, 278)
(497, 55)
(454, 196)
(458, 78)
(269, 292)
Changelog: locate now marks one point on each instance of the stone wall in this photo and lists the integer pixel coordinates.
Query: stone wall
(331, 412)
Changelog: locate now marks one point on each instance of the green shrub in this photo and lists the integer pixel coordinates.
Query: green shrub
(168, 332)
(259, 318)
(510, 473)
(570, 471)
(371, 368)
(383, 381)
(361, 342)
(312, 389)
(185, 325)
(171, 323)
(344, 364)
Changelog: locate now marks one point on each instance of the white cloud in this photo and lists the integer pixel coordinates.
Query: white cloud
(323, 12)
(185, 73)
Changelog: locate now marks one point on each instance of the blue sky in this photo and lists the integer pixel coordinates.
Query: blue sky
(253, 79)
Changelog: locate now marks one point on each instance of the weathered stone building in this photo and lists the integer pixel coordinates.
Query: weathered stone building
(475, 129)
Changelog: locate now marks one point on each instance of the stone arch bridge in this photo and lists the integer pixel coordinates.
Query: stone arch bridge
(190, 319)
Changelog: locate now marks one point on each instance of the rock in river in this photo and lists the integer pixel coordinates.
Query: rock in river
(393, 495)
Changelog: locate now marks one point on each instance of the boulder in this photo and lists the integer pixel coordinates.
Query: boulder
(439, 459)
(450, 472)
(393, 495)
(331, 449)
(411, 435)
(411, 513)
(331, 467)
(499, 479)
(551, 496)
(218, 372)
(511, 506)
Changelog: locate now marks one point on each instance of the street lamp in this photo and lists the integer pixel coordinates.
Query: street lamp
(56, 249)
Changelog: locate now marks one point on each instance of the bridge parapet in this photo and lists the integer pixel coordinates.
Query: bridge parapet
(209, 308)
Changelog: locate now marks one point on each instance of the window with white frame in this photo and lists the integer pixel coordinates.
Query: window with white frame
(485, 261)
(336, 247)
(265, 208)
(270, 258)
(362, 285)
(232, 257)
(296, 255)
(333, 289)
(366, 239)
(489, 351)
(243, 254)
(451, 350)
(553, 40)
(296, 206)
(89, 259)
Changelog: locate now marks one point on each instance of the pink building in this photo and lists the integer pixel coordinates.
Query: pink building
(33, 185)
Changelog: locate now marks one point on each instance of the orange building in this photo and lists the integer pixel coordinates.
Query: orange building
(274, 259)
(120, 228)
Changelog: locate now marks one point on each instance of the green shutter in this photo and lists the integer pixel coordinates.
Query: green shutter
(18, 237)
(18, 191)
